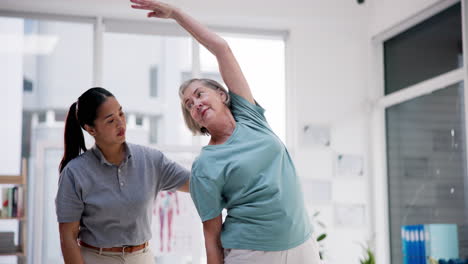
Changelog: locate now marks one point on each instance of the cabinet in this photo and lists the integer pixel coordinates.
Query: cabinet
(20, 181)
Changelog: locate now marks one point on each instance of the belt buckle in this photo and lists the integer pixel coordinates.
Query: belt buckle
(123, 249)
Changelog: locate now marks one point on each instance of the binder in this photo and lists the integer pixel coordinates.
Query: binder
(441, 241)
(10, 202)
(404, 244)
(422, 244)
(14, 204)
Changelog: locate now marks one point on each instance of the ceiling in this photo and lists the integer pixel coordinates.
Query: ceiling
(218, 11)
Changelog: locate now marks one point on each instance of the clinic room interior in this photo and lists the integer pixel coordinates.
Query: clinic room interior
(367, 96)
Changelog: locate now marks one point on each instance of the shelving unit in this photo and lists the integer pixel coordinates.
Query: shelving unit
(22, 221)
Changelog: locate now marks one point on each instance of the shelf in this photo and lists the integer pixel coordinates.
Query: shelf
(17, 179)
(12, 218)
(11, 180)
(18, 254)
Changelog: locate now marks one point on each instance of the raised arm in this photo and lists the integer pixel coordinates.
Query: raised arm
(228, 66)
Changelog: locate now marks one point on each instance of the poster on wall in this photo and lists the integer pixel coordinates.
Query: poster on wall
(350, 215)
(347, 165)
(176, 226)
(315, 136)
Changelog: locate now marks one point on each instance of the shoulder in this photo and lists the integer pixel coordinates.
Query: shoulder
(139, 151)
(78, 163)
(240, 101)
(207, 166)
(244, 111)
(75, 169)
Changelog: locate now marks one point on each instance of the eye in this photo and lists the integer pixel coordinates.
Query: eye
(188, 104)
(110, 121)
(199, 94)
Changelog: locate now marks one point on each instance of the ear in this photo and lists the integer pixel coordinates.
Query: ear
(90, 130)
(223, 96)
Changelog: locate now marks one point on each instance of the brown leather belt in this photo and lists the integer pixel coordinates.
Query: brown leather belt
(126, 249)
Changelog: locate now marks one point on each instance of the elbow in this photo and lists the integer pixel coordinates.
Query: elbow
(221, 48)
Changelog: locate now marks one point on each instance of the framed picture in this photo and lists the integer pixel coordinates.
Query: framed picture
(350, 215)
(349, 165)
(315, 136)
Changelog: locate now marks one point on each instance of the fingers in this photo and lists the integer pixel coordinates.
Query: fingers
(152, 14)
(142, 7)
(141, 2)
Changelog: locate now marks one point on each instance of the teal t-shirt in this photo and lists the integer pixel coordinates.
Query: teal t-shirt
(253, 177)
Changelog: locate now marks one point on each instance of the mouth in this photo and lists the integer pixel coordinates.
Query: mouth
(203, 112)
(121, 132)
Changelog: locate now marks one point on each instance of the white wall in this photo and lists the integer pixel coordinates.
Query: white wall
(11, 63)
(388, 13)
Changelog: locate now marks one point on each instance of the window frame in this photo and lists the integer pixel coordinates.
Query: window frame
(379, 102)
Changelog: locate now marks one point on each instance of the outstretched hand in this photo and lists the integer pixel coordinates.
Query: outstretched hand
(158, 9)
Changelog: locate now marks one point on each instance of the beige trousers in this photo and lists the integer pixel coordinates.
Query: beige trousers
(306, 253)
(92, 256)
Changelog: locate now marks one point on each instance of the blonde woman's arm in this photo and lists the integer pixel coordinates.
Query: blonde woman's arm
(228, 66)
(212, 233)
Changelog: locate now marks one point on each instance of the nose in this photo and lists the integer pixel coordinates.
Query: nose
(198, 105)
(120, 121)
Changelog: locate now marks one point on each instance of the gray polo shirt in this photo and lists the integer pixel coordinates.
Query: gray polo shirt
(114, 203)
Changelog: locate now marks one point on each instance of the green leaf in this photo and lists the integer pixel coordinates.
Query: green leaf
(321, 237)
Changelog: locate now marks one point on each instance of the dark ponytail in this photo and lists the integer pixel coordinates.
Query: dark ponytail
(81, 113)
(73, 138)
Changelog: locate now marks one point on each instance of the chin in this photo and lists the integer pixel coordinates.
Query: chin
(120, 140)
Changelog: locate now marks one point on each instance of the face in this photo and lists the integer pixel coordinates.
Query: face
(204, 104)
(110, 124)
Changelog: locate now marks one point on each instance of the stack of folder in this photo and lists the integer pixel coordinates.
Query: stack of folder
(6, 242)
(436, 241)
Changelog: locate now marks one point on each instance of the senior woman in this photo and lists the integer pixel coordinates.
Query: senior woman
(245, 167)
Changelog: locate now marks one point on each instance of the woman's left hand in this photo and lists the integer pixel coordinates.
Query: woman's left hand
(158, 9)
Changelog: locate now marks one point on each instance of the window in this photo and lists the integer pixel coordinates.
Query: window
(166, 57)
(425, 133)
(263, 63)
(155, 128)
(154, 81)
(139, 120)
(428, 49)
(426, 164)
(27, 85)
(60, 116)
(42, 117)
(207, 75)
(31, 31)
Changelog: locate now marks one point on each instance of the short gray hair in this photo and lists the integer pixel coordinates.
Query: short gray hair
(192, 125)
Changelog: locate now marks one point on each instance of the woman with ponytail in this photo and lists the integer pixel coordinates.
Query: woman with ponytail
(105, 194)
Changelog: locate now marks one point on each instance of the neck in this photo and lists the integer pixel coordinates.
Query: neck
(113, 153)
(222, 130)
